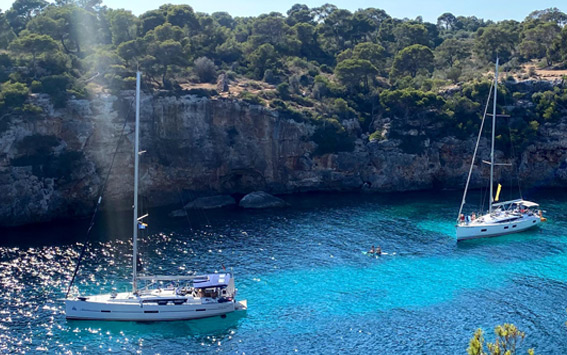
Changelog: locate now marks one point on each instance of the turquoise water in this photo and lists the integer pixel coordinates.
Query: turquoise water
(309, 287)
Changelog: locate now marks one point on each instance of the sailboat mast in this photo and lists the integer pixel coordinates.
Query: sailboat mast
(493, 137)
(136, 168)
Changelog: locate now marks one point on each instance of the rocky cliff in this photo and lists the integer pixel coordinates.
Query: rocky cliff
(53, 162)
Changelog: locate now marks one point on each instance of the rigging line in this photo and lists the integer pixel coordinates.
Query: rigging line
(474, 153)
(103, 187)
(201, 211)
(183, 207)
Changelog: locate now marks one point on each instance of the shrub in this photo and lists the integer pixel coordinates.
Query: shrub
(342, 109)
(326, 69)
(35, 86)
(205, 70)
(31, 110)
(376, 136)
(251, 98)
(454, 74)
(201, 92)
(270, 77)
(303, 101)
(279, 104)
(331, 137)
(14, 94)
(508, 340)
(56, 86)
(283, 90)
(230, 75)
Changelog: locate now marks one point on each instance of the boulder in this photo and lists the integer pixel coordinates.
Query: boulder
(222, 83)
(210, 202)
(261, 199)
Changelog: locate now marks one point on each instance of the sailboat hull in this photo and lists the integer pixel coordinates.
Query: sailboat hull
(484, 230)
(125, 307)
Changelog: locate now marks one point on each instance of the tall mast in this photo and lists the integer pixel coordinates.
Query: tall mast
(136, 167)
(463, 201)
(493, 136)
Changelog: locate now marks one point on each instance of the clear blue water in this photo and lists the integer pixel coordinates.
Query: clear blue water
(309, 287)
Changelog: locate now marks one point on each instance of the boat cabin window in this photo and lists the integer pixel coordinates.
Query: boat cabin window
(483, 230)
(207, 292)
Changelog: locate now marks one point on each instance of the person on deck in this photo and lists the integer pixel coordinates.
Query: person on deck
(371, 251)
(378, 251)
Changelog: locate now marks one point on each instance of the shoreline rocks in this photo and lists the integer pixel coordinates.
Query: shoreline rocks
(210, 202)
(261, 199)
(52, 165)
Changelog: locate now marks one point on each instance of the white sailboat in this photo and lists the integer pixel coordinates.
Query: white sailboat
(503, 217)
(185, 297)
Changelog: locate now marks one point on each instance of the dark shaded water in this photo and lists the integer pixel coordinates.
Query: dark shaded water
(309, 287)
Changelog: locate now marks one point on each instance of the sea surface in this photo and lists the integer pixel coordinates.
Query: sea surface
(309, 287)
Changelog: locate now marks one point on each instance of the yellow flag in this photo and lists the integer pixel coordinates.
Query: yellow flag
(498, 192)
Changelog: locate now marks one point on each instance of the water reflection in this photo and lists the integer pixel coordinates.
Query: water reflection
(217, 327)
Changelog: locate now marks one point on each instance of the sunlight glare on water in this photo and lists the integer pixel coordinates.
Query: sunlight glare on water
(309, 286)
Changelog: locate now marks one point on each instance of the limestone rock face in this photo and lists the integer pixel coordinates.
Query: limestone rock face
(53, 164)
(261, 199)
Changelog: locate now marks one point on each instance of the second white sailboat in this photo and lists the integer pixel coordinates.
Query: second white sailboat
(504, 217)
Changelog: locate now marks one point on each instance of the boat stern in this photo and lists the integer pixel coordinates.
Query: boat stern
(241, 305)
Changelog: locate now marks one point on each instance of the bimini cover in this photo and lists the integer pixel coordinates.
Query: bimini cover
(212, 280)
(528, 204)
(516, 202)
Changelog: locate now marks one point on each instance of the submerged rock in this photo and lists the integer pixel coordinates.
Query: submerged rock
(261, 199)
(204, 203)
(177, 213)
(210, 202)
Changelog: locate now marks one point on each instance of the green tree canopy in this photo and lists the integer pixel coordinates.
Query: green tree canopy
(262, 59)
(495, 41)
(551, 14)
(181, 16)
(123, 26)
(151, 19)
(33, 45)
(412, 60)
(356, 73)
(299, 14)
(407, 34)
(6, 33)
(22, 11)
(447, 21)
(508, 340)
(402, 103)
(372, 52)
(452, 51)
(224, 19)
(538, 40)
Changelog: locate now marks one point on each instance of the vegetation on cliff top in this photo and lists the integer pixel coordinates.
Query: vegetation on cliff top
(324, 64)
